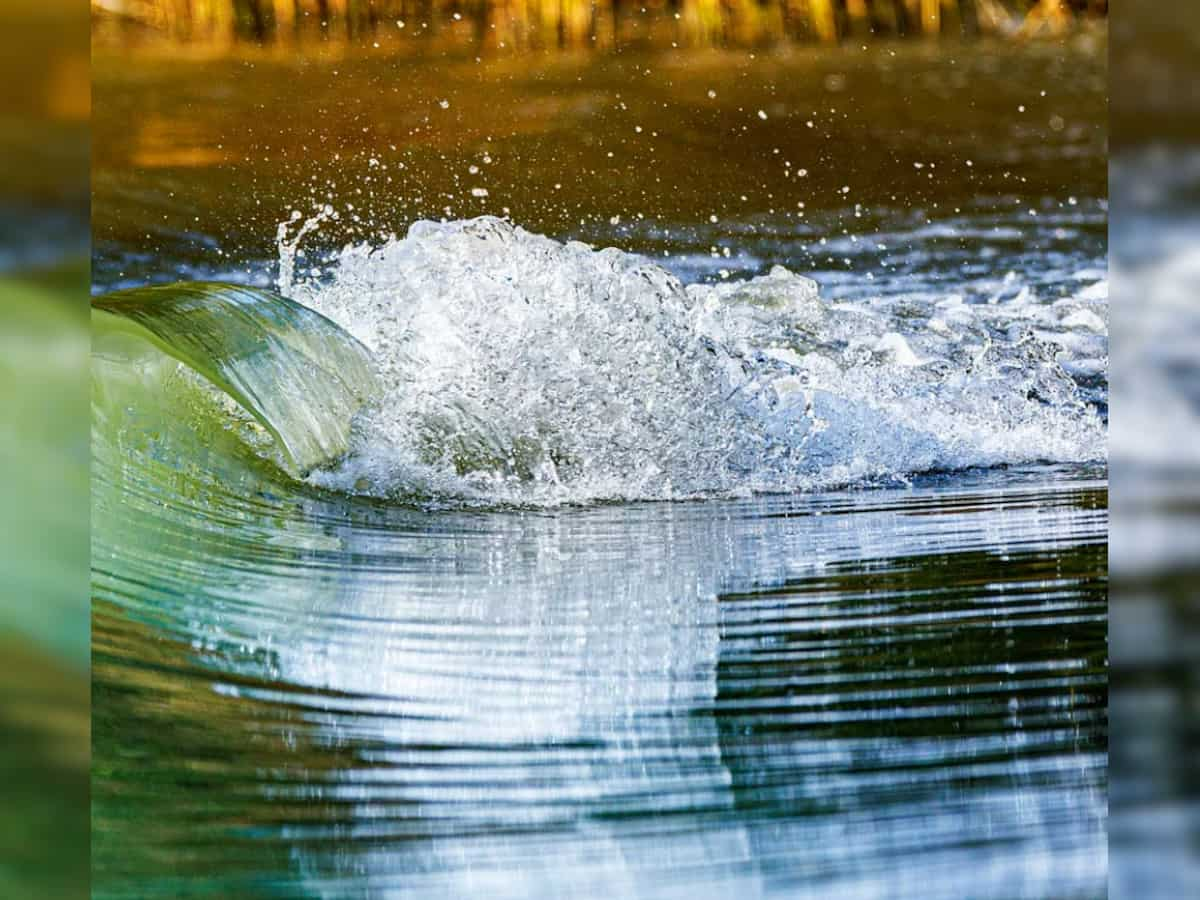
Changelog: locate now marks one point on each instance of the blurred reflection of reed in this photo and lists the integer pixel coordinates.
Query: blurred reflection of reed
(545, 24)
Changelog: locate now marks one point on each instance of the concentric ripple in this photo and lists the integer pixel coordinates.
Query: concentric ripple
(895, 693)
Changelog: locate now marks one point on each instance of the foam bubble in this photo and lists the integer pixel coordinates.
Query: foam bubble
(518, 369)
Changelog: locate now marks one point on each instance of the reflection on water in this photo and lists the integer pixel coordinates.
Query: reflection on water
(196, 160)
(892, 693)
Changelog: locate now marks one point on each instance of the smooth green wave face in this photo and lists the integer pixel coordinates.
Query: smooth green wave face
(299, 376)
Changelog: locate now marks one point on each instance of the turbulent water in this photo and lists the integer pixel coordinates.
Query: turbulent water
(740, 534)
(513, 369)
(319, 680)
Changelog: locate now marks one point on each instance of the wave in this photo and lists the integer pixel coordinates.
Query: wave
(503, 367)
(298, 375)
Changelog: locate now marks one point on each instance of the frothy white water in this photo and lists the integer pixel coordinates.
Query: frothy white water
(519, 369)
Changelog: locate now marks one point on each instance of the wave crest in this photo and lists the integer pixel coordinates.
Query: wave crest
(519, 369)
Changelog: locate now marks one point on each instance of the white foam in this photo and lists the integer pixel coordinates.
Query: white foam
(519, 369)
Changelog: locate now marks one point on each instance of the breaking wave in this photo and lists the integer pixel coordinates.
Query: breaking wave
(509, 368)
(517, 368)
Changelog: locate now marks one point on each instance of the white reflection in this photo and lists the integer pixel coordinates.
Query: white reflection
(534, 703)
(558, 673)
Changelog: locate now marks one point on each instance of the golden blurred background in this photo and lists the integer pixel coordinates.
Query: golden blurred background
(515, 25)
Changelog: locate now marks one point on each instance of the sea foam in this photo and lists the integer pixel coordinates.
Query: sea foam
(517, 369)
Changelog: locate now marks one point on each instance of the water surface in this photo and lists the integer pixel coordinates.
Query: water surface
(890, 683)
(895, 693)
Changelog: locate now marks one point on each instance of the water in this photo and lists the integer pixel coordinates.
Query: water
(847, 694)
(634, 575)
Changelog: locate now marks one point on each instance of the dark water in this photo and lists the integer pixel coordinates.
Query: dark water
(196, 160)
(894, 690)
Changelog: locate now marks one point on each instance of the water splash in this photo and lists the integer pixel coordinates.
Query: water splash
(517, 369)
(289, 242)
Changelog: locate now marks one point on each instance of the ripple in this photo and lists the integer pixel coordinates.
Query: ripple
(889, 692)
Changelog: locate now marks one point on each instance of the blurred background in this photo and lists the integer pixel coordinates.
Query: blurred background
(545, 24)
(1155, 451)
(44, 715)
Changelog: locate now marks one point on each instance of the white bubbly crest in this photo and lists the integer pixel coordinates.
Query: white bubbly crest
(517, 369)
